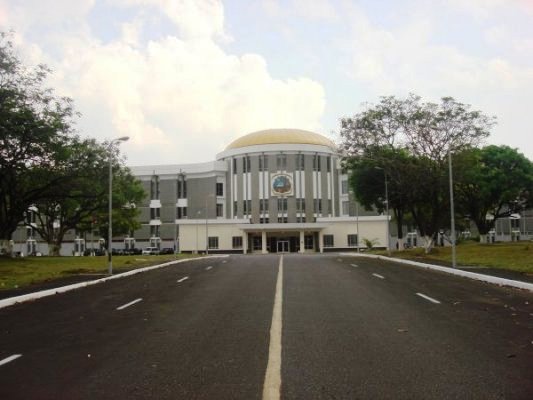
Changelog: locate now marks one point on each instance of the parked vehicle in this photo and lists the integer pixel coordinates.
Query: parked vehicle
(167, 250)
(148, 251)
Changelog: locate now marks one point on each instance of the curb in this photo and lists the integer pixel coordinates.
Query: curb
(466, 274)
(63, 289)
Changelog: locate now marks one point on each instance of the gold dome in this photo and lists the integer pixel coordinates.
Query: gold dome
(281, 136)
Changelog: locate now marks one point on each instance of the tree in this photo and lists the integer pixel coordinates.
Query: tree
(82, 193)
(426, 132)
(493, 182)
(367, 180)
(34, 127)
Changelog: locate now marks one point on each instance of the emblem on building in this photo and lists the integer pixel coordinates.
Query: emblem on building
(282, 185)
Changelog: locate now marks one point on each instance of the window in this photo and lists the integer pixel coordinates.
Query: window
(328, 240)
(181, 213)
(330, 207)
(29, 232)
(263, 163)
(212, 242)
(220, 210)
(300, 205)
(344, 186)
(30, 217)
(234, 165)
(236, 242)
(345, 208)
(329, 164)
(235, 208)
(182, 189)
(263, 205)
(515, 223)
(257, 243)
(352, 240)
(246, 164)
(283, 220)
(308, 242)
(282, 205)
(264, 220)
(301, 220)
(318, 206)
(220, 189)
(300, 163)
(154, 187)
(155, 213)
(281, 162)
(154, 230)
(247, 206)
(316, 163)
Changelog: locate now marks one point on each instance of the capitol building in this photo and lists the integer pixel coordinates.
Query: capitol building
(271, 191)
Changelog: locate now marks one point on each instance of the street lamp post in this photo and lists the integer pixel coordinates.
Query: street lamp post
(387, 204)
(454, 261)
(206, 233)
(110, 231)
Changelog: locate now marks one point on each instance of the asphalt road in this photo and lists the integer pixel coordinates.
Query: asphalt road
(351, 328)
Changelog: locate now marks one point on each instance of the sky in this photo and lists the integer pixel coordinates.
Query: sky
(183, 78)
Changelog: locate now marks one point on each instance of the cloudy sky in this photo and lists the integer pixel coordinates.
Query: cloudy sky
(183, 78)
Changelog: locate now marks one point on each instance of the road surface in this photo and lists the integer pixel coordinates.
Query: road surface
(346, 328)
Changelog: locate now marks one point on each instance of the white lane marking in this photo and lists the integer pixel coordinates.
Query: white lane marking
(379, 276)
(428, 298)
(354, 265)
(272, 384)
(183, 279)
(208, 268)
(10, 358)
(129, 304)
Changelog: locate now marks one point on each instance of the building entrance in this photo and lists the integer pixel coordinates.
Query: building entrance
(283, 246)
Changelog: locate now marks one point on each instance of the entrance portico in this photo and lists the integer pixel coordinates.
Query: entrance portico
(283, 238)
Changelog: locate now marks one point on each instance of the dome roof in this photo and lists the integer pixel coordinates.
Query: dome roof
(281, 136)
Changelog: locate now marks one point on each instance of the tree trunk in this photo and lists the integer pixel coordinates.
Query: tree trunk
(428, 245)
(54, 249)
(6, 247)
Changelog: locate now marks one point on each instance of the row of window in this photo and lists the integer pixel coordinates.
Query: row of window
(328, 241)
(282, 205)
(181, 188)
(352, 240)
(281, 163)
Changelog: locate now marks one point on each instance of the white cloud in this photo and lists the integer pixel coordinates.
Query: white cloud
(180, 98)
(408, 59)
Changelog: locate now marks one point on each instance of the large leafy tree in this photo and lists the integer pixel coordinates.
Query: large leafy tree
(35, 125)
(82, 194)
(367, 179)
(491, 183)
(425, 132)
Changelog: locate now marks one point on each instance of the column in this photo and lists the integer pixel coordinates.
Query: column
(321, 241)
(245, 243)
(264, 242)
(302, 242)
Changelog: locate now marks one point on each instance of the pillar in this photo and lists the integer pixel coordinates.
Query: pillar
(264, 242)
(245, 243)
(321, 241)
(302, 242)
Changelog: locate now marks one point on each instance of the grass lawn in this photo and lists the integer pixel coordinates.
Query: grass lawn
(19, 272)
(516, 256)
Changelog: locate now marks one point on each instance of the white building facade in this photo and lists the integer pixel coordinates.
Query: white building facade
(278, 190)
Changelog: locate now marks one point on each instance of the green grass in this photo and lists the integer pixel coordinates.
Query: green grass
(20, 272)
(511, 256)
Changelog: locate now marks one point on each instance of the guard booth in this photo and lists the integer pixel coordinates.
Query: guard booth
(129, 244)
(79, 246)
(412, 240)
